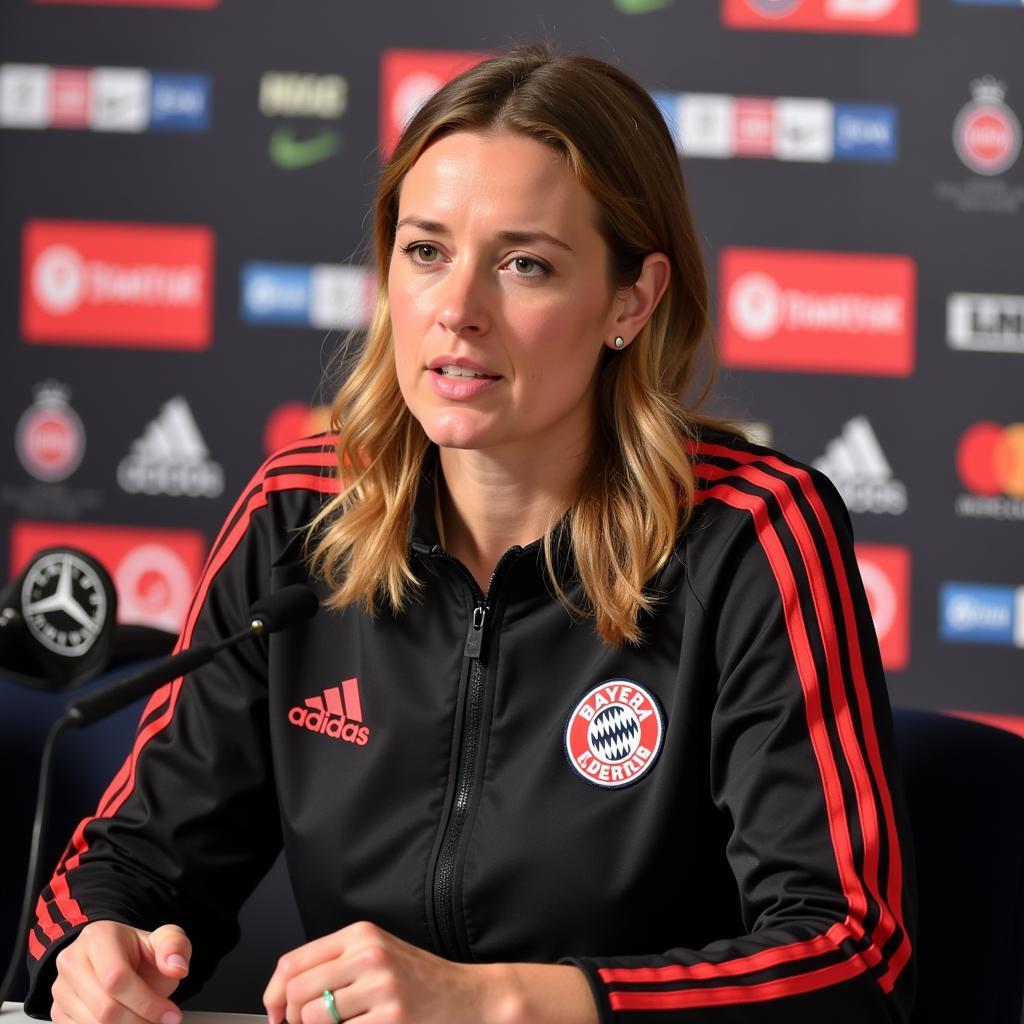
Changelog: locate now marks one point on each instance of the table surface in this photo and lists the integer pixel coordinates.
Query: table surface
(12, 1014)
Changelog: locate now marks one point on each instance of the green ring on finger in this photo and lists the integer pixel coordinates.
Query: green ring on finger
(331, 1008)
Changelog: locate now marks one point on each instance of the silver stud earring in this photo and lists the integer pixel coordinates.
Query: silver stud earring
(619, 341)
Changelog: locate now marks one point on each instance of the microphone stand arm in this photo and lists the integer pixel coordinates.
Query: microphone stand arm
(84, 711)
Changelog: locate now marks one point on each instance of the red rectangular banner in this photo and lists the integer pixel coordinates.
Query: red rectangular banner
(106, 283)
(408, 78)
(882, 17)
(885, 570)
(155, 571)
(817, 312)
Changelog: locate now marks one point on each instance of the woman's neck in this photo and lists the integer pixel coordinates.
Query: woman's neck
(491, 501)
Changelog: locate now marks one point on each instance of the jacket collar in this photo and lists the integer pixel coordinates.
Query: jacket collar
(423, 535)
(425, 540)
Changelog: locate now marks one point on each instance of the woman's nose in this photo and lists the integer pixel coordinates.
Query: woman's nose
(462, 303)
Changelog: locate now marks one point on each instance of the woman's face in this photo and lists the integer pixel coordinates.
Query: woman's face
(500, 295)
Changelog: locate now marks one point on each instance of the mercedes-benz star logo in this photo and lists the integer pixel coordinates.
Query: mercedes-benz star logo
(64, 603)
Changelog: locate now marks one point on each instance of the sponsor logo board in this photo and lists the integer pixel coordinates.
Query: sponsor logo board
(986, 132)
(818, 312)
(408, 78)
(292, 421)
(324, 296)
(103, 99)
(806, 129)
(981, 613)
(856, 464)
(171, 457)
(985, 323)
(883, 17)
(987, 138)
(641, 6)
(154, 571)
(308, 96)
(49, 437)
(885, 571)
(990, 464)
(108, 283)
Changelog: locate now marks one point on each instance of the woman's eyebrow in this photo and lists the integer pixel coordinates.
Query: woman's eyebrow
(516, 237)
(434, 226)
(528, 237)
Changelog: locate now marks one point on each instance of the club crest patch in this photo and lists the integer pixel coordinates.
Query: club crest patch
(615, 733)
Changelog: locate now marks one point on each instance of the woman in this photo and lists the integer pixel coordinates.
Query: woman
(593, 725)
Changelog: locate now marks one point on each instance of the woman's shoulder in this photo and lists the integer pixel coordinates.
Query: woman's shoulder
(738, 479)
(295, 480)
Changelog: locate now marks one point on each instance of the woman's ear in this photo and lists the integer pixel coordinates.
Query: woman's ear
(636, 303)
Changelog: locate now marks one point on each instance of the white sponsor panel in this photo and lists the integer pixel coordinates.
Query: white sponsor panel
(706, 124)
(120, 99)
(25, 91)
(985, 323)
(804, 129)
(338, 297)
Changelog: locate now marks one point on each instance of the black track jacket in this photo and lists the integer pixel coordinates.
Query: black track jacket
(708, 824)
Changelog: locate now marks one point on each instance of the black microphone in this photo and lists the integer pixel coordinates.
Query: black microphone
(276, 611)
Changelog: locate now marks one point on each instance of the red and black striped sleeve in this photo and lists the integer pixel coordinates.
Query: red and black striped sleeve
(189, 822)
(802, 764)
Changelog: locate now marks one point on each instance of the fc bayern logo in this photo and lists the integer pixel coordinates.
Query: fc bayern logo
(615, 733)
(986, 133)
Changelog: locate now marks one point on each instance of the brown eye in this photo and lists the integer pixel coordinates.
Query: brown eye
(527, 266)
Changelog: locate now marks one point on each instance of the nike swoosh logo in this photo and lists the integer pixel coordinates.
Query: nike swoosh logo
(293, 154)
(641, 6)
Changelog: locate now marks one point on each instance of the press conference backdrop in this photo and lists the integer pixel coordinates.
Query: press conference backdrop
(183, 214)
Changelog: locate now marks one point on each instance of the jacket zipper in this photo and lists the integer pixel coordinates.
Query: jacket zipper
(443, 882)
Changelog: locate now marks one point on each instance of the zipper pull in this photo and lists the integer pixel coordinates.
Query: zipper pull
(475, 636)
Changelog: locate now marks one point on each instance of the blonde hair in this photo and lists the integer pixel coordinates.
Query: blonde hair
(636, 492)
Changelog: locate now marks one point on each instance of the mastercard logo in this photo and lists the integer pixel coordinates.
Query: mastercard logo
(292, 421)
(990, 459)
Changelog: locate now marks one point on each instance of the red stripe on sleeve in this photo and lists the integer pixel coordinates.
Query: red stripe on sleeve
(123, 784)
(733, 994)
(835, 806)
(891, 906)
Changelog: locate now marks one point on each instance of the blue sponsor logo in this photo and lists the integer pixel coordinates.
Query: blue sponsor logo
(668, 104)
(980, 613)
(276, 293)
(865, 132)
(179, 102)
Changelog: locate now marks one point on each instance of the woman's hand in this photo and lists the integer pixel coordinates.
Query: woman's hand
(114, 974)
(377, 978)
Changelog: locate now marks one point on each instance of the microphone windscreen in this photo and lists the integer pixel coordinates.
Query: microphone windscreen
(285, 607)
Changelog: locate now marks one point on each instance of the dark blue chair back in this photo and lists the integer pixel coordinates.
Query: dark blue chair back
(965, 796)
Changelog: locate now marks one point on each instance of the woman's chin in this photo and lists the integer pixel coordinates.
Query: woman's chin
(458, 430)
